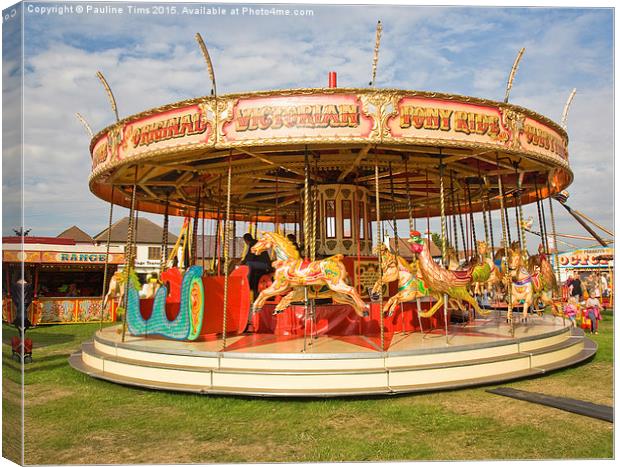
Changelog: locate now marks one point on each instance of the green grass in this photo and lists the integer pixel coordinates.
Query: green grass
(71, 418)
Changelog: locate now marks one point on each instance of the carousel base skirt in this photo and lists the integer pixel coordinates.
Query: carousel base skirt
(482, 352)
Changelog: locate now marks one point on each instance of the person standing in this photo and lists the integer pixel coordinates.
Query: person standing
(596, 286)
(593, 312)
(575, 288)
(22, 295)
(258, 264)
(604, 286)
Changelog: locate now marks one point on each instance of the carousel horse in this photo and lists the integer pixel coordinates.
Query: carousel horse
(315, 292)
(395, 267)
(525, 286)
(485, 274)
(291, 271)
(541, 262)
(454, 264)
(440, 281)
(116, 288)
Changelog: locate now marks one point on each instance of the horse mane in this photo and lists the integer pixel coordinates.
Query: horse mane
(410, 266)
(285, 243)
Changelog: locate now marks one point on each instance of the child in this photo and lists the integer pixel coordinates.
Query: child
(570, 310)
(593, 311)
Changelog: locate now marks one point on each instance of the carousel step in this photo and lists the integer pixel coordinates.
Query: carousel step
(377, 378)
(587, 352)
(568, 342)
(376, 365)
(471, 382)
(76, 361)
(89, 348)
(78, 364)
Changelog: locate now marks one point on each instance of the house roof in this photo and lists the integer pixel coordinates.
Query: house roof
(42, 240)
(77, 234)
(147, 232)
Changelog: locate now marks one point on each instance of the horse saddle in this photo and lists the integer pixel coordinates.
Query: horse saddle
(463, 276)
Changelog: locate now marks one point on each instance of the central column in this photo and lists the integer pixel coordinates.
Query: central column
(342, 220)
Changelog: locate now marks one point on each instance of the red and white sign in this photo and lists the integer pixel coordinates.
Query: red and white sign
(297, 117)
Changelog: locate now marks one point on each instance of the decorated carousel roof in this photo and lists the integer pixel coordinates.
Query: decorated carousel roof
(182, 152)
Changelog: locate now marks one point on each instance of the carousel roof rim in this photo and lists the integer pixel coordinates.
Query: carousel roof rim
(293, 91)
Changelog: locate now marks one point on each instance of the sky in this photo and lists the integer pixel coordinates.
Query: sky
(151, 60)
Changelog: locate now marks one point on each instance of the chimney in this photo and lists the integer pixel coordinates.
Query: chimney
(332, 79)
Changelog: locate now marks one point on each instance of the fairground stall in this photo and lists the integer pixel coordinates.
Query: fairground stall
(595, 267)
(67, 278)
(332, 170)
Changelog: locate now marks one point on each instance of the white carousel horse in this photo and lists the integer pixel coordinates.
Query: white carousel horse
(294, 272)
(527, 286)
(116, 289)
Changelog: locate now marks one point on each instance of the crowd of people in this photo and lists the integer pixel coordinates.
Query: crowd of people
(584, 302)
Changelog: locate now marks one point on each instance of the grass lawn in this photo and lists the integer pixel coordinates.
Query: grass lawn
(71, 418)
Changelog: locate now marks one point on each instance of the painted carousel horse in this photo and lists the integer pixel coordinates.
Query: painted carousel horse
(293, 272)
(116, 289)
(527, 287)
(486, 274)
(541, 262)
(395, 267)
(442, 281)
(454, 264)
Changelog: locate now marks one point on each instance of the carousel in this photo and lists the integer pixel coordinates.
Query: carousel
(330, 173)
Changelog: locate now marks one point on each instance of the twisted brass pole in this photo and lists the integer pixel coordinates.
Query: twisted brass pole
(307, 238)
(444, 246)
(379, 240)
(129, 252)
(314, 215)
(520, 210)
(409, 206)
(226, 246)
(554, 232)
(107, 259)
(164, 237)
(508, 279)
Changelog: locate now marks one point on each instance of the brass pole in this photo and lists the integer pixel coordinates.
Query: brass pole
(194, 256)
(554, 233)
(164, 238)
(226, 246)
(409, 206)
(508, 279)
(379, 240)
(566, 107)
(444, 252)
(307, 238)
(84, 123)
(109, 93)
(107, 259)
(129, 252)
(513, 71)
(376, 54)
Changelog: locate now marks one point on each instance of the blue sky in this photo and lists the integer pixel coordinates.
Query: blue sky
(153, 60)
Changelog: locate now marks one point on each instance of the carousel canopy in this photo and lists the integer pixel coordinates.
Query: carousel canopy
(181, 153)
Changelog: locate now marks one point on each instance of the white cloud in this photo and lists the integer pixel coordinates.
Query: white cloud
(153, 61)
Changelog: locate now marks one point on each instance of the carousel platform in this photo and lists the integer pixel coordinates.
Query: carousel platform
(477, 353)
